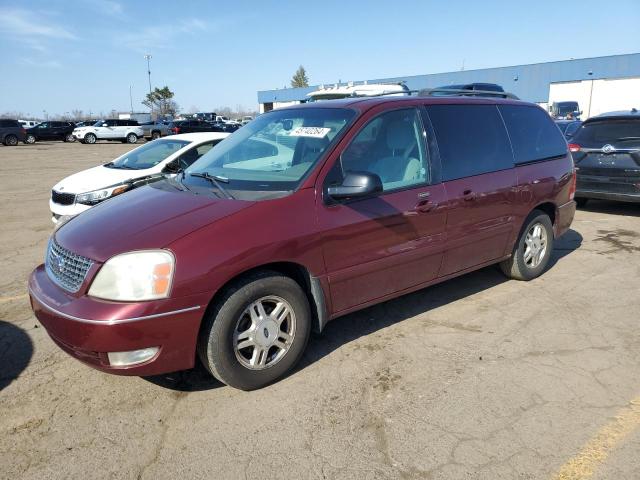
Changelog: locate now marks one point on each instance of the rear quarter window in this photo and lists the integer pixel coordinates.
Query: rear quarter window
(534, 136)
(471, 139)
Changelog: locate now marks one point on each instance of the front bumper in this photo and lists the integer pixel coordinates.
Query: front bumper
(88, 328)
(66, 210)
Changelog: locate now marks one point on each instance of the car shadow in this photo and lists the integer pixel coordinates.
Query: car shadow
(612, 208)
(16, 350)
(364, 322)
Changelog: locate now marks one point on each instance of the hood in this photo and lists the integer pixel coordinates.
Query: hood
(152, 216)
(96, 178)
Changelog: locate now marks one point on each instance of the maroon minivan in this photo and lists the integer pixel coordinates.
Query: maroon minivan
(303, 215)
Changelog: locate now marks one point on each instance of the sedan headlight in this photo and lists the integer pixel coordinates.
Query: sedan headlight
(92, 198)
(135, 276)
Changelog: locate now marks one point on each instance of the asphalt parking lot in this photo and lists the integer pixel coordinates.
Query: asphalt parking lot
(476, 378)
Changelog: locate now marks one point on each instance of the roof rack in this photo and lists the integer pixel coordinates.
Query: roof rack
(429, 92)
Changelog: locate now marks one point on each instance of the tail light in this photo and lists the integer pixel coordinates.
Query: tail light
(24, 132)
(574, 147)
(572, 185)
(175, 130)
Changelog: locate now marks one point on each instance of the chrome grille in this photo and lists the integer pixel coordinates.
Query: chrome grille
(62, 198)
(66, 268)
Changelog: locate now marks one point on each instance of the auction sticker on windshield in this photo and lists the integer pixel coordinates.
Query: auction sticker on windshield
(315, 132)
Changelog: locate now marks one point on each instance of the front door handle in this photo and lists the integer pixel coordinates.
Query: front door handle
(425, 206)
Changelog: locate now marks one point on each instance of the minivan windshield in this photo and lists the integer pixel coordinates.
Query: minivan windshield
(148, 155)
(272, 154)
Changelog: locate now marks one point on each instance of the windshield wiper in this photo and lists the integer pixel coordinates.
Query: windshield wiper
(622, 139)
(215, 180)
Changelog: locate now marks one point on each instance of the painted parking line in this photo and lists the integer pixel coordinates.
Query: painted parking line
(13, 299)
(595, 451)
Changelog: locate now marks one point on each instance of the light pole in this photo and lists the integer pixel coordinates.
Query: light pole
(130, 99)
(148, 57)
(590, 73)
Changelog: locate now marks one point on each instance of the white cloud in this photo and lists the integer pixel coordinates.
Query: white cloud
(161, 36)
(24, 23)
(30, 62)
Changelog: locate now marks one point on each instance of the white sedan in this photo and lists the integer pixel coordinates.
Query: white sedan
(149, 162)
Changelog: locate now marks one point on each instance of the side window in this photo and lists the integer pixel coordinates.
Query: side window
(471, 139)
(533, 134)
(391, 146)
(111, 123)
(44, 125)
(193, 154)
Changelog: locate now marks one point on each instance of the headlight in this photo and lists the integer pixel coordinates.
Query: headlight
(135, 276)
(91, 198)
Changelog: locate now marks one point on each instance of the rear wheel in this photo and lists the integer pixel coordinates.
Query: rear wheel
(90, 138)
(533, 250)
(69, 138)
(257, 331)
(581, 202)
(132, 138)
(11, 140)
(155, 135)
(30, 139)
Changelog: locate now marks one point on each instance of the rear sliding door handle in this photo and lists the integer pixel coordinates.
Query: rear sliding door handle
(468, 195)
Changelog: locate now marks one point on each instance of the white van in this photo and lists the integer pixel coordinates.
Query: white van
(142, 165)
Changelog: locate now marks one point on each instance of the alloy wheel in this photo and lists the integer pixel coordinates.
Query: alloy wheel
(264, 332)
(535, 245)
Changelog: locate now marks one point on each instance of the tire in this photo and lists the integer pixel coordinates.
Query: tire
(132, 138)
(229, 319)
(581, 202)
(90, 139)
(518, 266)
(30, 139)
(155, 135)
(10, 140)
(69, 138)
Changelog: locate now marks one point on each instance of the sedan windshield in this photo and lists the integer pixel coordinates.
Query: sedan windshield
(274, 152)
(148, 155)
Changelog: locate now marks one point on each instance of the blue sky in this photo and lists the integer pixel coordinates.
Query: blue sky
(84, 54)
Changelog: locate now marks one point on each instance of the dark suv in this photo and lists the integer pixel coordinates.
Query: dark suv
(606, 151)
(305, 214)
(11, 132)
(51, 131)
(193, 126)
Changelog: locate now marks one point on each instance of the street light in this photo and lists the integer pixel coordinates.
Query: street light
(148, 57)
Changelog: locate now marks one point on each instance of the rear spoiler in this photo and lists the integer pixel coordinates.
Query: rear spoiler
(433, 92)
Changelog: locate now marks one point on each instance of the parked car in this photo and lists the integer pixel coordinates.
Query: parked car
(51, 131)
(225, 126)
(144, 164)
(11, 132)
(111, 129)
(606, 151)
(28, 123)
(244, 120)
(153, 130)
(191, 126)
(565, 110)
(568, 127)
(259, 242)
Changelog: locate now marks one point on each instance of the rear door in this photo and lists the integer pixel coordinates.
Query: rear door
(378, 246)
(480, 179)
(607, 156)
(43, 131)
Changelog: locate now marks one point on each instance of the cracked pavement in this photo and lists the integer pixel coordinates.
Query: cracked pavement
(476, 378)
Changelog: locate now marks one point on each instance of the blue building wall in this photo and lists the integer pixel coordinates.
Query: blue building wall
(532, 82)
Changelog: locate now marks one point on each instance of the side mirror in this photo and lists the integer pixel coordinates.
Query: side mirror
(105, 125)
(356, 184)
(172, 168)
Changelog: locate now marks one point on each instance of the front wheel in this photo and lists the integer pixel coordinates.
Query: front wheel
(532, 252)
(30, 139)
(11, 140)
(69, 138)
(90, 138)
(257, 331)
(155, 135)
(132, 138)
